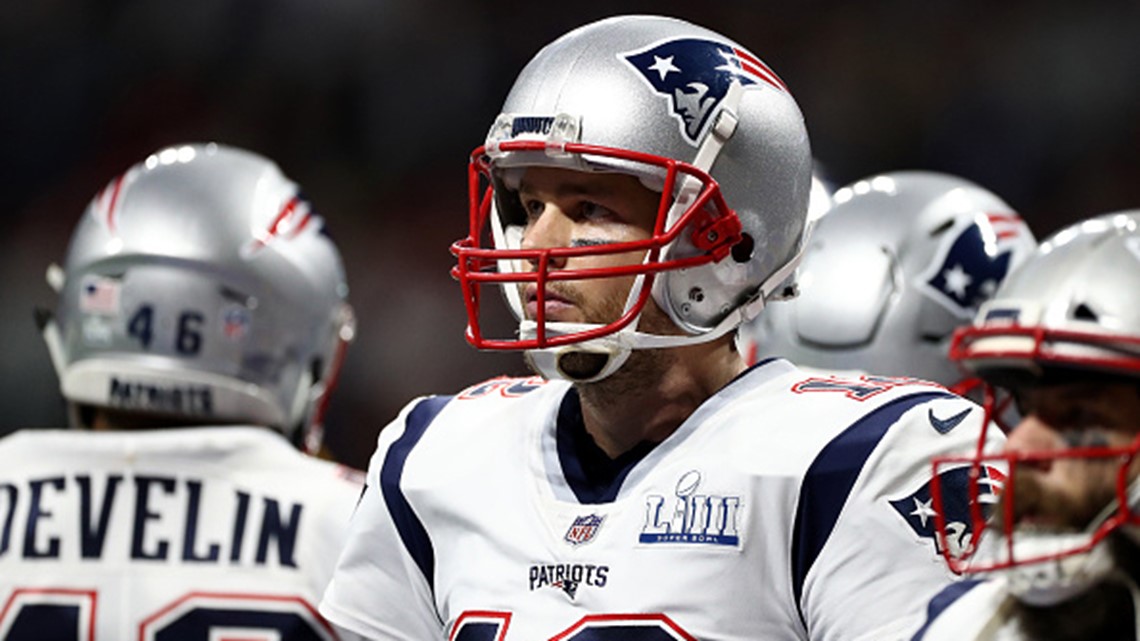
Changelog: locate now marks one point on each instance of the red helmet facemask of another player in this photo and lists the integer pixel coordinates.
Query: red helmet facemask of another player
(1054, 555)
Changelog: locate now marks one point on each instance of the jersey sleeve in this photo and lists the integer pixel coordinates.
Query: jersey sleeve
(381, 588)
(865, 555)
(941, 603)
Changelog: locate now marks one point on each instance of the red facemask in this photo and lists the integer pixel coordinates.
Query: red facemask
(487, 256)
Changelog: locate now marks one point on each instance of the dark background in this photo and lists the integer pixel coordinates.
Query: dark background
(372, 106)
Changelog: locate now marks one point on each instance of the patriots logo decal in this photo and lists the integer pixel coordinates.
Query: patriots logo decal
(975, 263)
(695, 75)
(918, 509)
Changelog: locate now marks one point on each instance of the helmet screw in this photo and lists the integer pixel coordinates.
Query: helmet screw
(686, 308)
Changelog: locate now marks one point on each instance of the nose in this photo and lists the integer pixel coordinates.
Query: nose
(1033, 435)
(549, 229)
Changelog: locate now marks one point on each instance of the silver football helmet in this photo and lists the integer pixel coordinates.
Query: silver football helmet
(819, 199)
(900, 261)
(1069, 314)
(199, 285)
(694, 116)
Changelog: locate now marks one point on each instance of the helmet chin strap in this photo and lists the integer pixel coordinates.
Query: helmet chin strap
(1049, 584)
(991, 631)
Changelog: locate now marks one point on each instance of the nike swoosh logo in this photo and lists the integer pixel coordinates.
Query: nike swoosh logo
(944, 425)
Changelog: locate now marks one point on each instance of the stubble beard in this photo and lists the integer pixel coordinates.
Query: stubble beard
(639, 370)
(1063, 512)
(1105, 610)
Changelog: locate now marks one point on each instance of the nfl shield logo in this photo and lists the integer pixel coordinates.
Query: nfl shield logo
(583, 529)
(235, 322)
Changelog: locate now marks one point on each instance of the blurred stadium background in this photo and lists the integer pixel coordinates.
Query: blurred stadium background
(373, 105)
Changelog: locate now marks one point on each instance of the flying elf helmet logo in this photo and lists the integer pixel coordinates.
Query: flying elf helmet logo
(974, 262)
(695, 75)
(918, 511)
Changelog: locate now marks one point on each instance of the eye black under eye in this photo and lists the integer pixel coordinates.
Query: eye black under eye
(589, 242)
(1085, 438)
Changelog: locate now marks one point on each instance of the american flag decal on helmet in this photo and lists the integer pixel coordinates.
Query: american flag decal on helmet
(695, 75)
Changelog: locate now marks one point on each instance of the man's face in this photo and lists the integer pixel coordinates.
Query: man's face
(568, 208)
(1066, 494)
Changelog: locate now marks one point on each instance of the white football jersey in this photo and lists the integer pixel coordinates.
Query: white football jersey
(971, 611)
(786, 506)
(182, 534)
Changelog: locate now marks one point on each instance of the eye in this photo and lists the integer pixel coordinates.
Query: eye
(1088, 437)
(533, 207)
(1080, 418)
(592, 211)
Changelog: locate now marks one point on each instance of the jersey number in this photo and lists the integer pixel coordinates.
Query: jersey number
(69, 615)
(860, 390)
(492, 626)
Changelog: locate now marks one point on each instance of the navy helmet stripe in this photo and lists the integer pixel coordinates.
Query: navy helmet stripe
(408, 525)
(830, 478)
(943, 600)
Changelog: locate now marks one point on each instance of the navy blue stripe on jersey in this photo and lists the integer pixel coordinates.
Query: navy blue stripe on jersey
(411, 530)
(943, 600)
(831, 476)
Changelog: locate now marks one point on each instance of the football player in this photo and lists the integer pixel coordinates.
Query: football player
(648, 187)
(902, 259)
(1062, 548)
(199, 295)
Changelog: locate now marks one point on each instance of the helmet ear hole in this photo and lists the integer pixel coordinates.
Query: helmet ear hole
(942, 229)
(316, 369)
(742, 251)
(1084, 312)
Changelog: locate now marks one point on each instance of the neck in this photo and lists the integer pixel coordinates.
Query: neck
(654, 392)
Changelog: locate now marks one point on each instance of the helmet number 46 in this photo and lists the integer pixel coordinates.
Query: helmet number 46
(187, 340)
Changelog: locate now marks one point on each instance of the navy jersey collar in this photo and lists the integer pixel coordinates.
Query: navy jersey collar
(591, 474)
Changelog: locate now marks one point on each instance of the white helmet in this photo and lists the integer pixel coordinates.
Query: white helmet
(694, 116)
(901, 260)
(199, 285)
